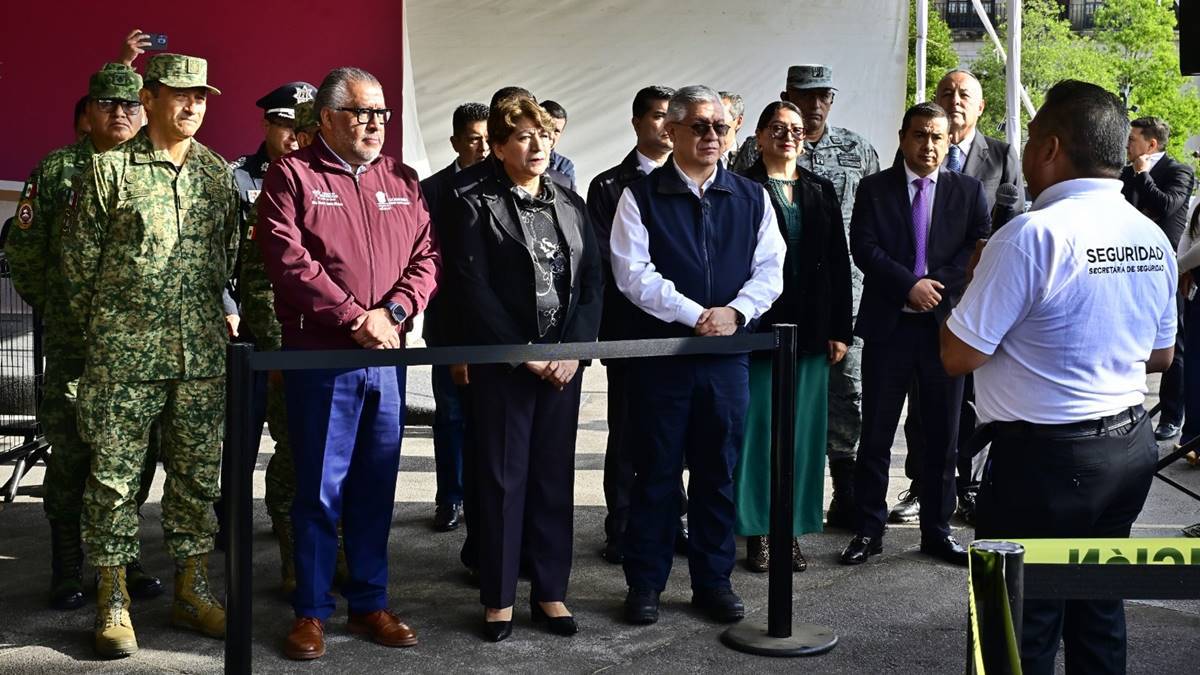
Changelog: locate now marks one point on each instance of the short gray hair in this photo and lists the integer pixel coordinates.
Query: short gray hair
(736, 105)
(334, 91)
(686, 97)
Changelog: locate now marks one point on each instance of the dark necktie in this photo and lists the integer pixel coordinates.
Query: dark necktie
(920, 220)
(955, 161)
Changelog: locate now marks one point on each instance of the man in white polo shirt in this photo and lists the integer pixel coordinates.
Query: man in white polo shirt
(1070, 306)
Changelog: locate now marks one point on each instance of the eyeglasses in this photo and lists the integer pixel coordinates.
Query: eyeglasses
(779, 132)
(364, 115)
(701, 129)
(109, 105)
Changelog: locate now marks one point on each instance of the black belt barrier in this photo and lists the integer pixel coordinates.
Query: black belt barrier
(780, 637)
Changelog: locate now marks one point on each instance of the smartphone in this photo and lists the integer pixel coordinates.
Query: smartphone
(158, 41)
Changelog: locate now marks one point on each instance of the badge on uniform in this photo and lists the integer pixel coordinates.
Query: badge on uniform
(25, 214)
(252, 195)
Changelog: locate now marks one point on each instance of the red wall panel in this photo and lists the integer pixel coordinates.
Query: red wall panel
(50, 47)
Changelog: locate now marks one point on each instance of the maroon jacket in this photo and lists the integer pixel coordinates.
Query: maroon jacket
(336, 245)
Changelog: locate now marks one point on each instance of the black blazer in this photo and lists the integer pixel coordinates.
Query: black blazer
(603, 195)
(881, 242)
(994, 163)
(486, 257)
(819, 302)
(439, 325)
(1162, 193)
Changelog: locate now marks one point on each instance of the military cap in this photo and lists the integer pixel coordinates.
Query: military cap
(282, 101)
(810, 76)
(305, 119)
(179, 71)
(115, 81)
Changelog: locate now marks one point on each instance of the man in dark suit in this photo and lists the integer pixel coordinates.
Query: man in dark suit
(994, 163)
(913, 230)
(470, 144)
(1160, 187)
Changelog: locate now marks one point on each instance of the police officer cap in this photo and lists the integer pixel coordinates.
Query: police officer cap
(810, 76)
(179, 71)
(305, 119)
(283, 100)
(115, 81)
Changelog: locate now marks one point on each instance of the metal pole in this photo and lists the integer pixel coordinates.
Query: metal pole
(236, 475)
(993, 633)
(1012, 90)
(922, 48)
(783, 458)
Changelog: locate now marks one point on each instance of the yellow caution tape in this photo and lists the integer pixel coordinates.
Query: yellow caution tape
(1147, 551)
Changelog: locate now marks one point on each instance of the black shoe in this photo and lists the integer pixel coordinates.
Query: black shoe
(721, 604)
(758, 554)
(66, 566)
(559, 625)
(799, 564)
(612, 552)
(1166, 431)
(681, 539)
(641, 606)
(947, 549)
(908, 509)
(141, 585)
(447, 517)
(860, 548)
(966, 505)
(495, 631)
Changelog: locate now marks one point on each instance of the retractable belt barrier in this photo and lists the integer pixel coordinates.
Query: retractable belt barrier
(241, 440)
(1002, 574)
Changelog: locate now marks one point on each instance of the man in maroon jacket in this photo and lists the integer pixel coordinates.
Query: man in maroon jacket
(347, 244)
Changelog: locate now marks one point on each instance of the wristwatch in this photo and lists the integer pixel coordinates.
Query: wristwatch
(398, 313)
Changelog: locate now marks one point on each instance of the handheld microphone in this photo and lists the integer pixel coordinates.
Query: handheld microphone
(1006, 207)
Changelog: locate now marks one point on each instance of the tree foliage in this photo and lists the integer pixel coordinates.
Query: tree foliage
(939, 52)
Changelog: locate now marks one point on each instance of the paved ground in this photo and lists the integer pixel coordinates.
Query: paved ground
(900, 613)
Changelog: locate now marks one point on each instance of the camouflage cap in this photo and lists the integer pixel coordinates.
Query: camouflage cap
(179, 71)
(810, 76)
(116, 81)
(305, 117)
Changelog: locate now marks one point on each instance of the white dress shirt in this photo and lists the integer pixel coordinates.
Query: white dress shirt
(965, 147)
(1153, 159)
(640, 281)
(645, 163)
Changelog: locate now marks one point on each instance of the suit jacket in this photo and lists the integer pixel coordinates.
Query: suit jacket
(1162, 193)
(492, 272)
(994, 163)
(603, 195)
(881, 241)
(816, 274)
(439, 326)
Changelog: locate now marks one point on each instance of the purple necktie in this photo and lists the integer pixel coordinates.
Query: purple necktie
(920, 220)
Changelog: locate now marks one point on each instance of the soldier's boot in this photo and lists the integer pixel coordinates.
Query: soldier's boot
(195, 608)
(66, 566)
(341, 572)
(141, 584)
(114, 629)
(841, 507)
(287, 558)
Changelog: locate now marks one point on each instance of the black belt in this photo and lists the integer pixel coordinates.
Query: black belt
(1115, 424)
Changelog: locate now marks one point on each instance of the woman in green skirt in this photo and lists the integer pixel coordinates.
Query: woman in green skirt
(816, 297)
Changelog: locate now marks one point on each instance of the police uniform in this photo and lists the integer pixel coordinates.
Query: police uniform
(34, 252)
(1073, 452)
(154, 350)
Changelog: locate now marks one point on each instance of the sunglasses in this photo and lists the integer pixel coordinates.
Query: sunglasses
(364, 115)
(109, 105)
(701, 129)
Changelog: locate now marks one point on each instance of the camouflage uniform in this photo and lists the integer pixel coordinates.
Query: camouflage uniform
(154, 335)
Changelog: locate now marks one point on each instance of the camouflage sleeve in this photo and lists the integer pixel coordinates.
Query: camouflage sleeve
(258, 300)
(28, 245)
(872, 157)
(232, 232)
(84, 230)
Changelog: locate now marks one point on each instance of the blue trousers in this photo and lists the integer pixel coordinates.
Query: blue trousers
(448, 425)
(693, 409)
(345, 432)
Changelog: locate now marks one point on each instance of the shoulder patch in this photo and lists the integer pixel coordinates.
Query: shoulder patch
(25, 214)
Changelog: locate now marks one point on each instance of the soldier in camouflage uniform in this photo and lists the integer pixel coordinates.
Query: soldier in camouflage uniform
(34, 249)
(843, 157)
(146, 243)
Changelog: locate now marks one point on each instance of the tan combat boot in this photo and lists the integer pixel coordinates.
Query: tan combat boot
(114, 628)
(195, 607)
(287, 559)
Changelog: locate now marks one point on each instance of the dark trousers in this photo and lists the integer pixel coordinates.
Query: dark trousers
(1191, 376)
(1085, 486)
(914, 437)
(1171, 387)
(469, 553)
(524, 462)
(689, 409)
(889, 368)
(619, 453)
(448, 432)
(344, 427)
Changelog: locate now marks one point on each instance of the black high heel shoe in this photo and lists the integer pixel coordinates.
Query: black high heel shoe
(559, 625)
(495, 631)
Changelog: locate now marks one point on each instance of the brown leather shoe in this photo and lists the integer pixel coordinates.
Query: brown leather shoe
(306, 641)
(384, 628)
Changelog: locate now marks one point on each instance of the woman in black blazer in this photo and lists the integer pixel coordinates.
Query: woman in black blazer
(817, 298)
(525, 268)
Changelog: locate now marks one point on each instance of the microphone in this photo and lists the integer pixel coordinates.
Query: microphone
(1006, 205)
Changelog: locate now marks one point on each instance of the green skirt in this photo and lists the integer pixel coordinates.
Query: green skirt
(752, 477)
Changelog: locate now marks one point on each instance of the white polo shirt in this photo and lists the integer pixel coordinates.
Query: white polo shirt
(1069, 299)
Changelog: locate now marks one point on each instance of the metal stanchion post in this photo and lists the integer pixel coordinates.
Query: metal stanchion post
(780, 636)
(999, 638)
(236, 474)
